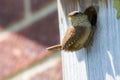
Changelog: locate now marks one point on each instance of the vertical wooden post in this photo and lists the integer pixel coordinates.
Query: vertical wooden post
(102, 60)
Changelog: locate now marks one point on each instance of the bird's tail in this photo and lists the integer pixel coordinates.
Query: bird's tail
(57, 47)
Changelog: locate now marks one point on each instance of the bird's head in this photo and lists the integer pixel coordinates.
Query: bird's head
(77, 18)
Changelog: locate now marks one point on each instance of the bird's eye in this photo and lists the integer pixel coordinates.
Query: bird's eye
(76, 13)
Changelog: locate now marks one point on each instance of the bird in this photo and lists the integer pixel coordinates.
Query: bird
(81, 31)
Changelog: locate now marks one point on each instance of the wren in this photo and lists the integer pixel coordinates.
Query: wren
(81, 32)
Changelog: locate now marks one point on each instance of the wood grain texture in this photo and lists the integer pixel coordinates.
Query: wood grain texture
(102, 60)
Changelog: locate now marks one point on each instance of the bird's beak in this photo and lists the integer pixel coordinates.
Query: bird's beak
(69, 16)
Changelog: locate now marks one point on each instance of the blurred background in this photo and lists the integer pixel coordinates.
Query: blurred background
(27, 28)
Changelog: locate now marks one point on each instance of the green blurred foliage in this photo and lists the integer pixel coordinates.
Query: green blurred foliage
(117, 6)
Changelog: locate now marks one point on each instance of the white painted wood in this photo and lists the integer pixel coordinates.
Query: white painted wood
(102, 60)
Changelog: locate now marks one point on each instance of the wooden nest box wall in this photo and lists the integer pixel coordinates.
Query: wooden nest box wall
(102, 60)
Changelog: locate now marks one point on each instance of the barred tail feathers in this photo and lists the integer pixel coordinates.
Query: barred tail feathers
(55, 47)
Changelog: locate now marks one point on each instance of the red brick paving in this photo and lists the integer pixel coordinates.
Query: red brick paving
(11, 11)
(18, 52)
(44, 31)
(26, 47)
(38, 4)
(53, 73)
